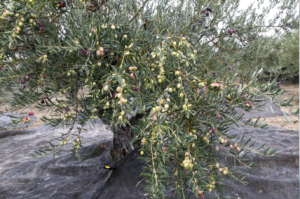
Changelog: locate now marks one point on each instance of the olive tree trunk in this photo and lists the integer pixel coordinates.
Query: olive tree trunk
(123, 136)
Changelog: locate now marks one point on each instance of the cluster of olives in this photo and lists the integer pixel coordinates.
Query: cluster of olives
(231, 146)
(43, 59)
(19, 21)
(122, 113)
(186, 106)
(223, 170)
(198, 190)
(2, 57)
(42, 76)
(107, 105)
(93, 116)
(187, 162)
(61, 106)
(63, 91)
(76, 144)
(68, 116)
(64, 142)
(25, 119)
(211, 185)
(71, 72)
(205, 138)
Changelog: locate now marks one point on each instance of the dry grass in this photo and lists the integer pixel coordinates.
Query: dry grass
(280, 121)
(290, 91)
(39, 114)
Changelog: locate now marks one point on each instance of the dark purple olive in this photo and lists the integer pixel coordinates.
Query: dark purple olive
(212, 72)
(23, 81)
(62, 4)
(226, 63)
(230, 31)
(229, 68)
(42, 101)
(41, 24)
(207, 14)
(15, 48)
(200, 21)
(21, 48)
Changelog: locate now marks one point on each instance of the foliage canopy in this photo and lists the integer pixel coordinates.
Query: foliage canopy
(175, 61)
(281, 59)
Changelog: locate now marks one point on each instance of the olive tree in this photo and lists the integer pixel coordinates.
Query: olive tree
(173, 62)
(281, 61)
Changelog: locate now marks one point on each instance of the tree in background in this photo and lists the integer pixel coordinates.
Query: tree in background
(281, 58)
(174, 62)
(289, 57)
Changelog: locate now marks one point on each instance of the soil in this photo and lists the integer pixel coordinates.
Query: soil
(39, 114)
(279, 121)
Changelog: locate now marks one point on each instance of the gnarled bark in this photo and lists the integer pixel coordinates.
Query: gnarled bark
(123, 136)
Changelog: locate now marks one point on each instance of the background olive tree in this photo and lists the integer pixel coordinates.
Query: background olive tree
(281, 60)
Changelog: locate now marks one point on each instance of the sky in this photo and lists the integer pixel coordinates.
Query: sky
(273, 12)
